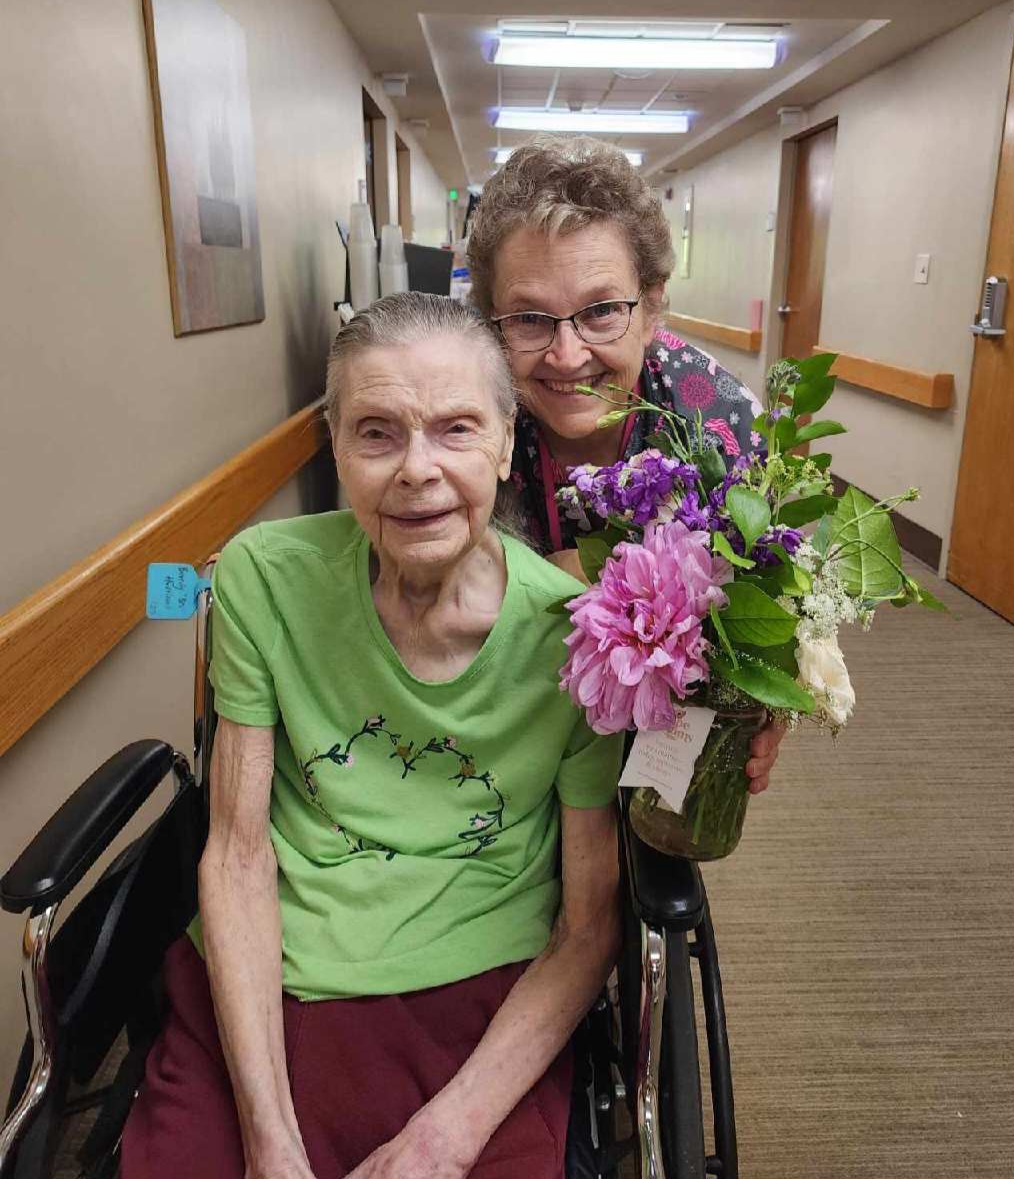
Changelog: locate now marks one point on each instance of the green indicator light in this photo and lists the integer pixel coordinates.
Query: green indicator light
(452, 194)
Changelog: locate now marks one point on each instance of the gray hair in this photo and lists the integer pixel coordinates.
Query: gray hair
(558, 185)
(407, 319)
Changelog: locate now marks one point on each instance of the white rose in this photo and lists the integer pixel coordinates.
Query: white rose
(822, 672)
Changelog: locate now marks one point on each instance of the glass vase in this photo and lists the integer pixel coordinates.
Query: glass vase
(710, 823)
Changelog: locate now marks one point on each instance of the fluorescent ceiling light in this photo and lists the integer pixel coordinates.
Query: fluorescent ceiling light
(606, 122)
(635, 53)
(503, 154)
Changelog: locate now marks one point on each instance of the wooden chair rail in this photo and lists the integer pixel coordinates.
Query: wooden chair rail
(721, 333)
(930, 390)
(52, 639)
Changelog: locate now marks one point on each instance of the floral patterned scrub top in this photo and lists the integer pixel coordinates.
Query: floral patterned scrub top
(675, 375)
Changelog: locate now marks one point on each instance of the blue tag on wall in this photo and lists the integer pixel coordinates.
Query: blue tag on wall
(173, 590)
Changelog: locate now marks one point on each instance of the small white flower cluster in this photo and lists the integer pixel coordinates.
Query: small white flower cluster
(822, 669)
(828, 604)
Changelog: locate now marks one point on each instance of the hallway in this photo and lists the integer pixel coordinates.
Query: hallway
(865, 923)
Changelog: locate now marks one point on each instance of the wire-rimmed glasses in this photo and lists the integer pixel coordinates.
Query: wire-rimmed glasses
(598, 323)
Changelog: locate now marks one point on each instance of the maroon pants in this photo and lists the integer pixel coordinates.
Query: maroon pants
(358, 1068)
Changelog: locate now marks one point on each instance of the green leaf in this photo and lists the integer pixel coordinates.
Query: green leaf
(711, 466)
(593, 552)
(798, 512)
(812, 394)
(822, 537)
(819, 430)
(753, 617)
(785, 433)
(659, 440)
(720, 545)
(780, 552)
(560, 605)
(793, 580)
(816, 366)
(723, 638)
(930, 602)
(764, 682)
(782, 656)
(869, 559)
(912, 592)
(611, 535)
(749, 511)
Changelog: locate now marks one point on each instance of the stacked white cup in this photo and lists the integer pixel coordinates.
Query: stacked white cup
(362, 248)
(393, 267)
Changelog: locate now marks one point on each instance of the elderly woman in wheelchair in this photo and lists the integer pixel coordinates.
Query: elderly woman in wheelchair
(408, 895)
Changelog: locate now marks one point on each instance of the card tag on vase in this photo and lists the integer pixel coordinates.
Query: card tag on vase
(664, 759)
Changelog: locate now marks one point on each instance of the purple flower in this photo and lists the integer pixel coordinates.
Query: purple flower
(634, 490)
(695, 517)
(789, 538)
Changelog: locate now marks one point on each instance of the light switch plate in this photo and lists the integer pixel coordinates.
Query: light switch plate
(922, 265)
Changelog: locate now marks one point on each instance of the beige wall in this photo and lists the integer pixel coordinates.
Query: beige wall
(429, 196)
(429, 203)
(915, 168)
(104, 414)
(915, 165)
(731, 247)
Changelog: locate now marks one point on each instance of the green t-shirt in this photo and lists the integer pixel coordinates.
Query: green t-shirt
(416, 824)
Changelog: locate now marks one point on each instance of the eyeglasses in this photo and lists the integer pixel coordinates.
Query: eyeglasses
(598, 323)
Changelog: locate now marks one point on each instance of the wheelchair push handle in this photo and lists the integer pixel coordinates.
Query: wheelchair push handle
(81, 830)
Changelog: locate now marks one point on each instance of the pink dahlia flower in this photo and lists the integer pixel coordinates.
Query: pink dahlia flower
(638, 638)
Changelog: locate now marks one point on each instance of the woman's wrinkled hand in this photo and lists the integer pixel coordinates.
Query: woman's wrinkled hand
(763, 755)
(425, 1149)
(570, 562)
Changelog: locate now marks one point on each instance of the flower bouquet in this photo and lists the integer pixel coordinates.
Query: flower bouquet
(716, 596)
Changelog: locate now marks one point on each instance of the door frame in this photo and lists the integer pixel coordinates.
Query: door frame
(774, 325)
(1004, 155)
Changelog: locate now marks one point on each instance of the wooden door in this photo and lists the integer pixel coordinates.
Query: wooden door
(811, 216)
(981, 558)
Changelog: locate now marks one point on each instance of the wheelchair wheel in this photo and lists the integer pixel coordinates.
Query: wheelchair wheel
(680, 1070)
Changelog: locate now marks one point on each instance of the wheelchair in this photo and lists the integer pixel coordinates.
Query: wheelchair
(92, 988)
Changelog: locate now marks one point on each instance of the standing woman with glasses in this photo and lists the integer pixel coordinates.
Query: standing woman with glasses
(569, 253)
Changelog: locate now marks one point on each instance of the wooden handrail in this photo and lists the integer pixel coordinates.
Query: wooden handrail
(930, 390)
(52, 639)
(745, 339)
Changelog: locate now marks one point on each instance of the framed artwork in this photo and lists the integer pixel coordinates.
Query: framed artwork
(204, 136)
(686, 227)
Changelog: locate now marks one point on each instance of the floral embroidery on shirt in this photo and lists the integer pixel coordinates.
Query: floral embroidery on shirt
(481, 826)
(340, 755)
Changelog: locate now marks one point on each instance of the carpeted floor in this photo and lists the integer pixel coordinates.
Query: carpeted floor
(866, 924)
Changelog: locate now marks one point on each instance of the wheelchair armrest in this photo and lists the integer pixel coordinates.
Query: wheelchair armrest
(81, 830)
(666, 891)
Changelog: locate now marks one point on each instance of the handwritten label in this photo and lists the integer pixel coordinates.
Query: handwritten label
(173, 590)
(664, 759)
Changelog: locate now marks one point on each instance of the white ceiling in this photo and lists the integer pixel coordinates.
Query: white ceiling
(828, 44)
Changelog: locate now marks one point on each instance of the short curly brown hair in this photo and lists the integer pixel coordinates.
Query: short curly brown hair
(560, 184)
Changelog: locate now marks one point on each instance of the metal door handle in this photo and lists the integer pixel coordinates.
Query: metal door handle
(784, 309)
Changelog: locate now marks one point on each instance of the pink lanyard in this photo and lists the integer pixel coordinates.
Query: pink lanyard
(547, 467)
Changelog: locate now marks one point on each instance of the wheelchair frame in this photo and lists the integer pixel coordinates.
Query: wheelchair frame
(655, 1068)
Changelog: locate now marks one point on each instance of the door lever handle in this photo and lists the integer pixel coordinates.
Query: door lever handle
(784, 309)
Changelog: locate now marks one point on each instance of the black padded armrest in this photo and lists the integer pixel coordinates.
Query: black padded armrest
(81, 830)
(666, 891)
